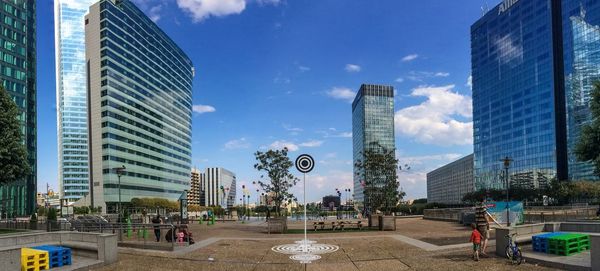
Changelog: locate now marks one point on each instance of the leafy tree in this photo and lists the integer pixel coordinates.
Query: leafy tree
(377, 170)
(13, 154)
(276, 164)
(588, 147)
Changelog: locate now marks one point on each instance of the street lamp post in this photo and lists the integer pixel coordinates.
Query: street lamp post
(120, 171)
(506, 162)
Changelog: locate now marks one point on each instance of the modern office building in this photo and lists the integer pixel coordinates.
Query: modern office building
(71, 97)
(448, 184)
(532, 65)
(581, 35)
(140, 104)
(330, 203)
(18, 76)
(372, 128)
(193, 195)
(220, 187)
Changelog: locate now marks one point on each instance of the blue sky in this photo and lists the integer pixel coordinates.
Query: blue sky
(273, 73)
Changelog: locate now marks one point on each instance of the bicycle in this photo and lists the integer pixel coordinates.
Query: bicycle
(513, 252)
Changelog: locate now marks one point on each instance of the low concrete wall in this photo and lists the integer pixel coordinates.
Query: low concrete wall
(444, 214)
(525, 231)
(595, 252)
(580, 227)
(103, 243)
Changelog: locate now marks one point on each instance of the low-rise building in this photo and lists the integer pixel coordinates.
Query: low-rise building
(448, 184)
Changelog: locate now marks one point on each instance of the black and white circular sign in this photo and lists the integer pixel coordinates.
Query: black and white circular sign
(305, 163)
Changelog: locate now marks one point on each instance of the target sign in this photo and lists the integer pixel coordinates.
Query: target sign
(305, 163)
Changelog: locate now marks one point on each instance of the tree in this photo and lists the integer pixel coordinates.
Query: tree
(13, 154)
(377, 170)
(588, 147)
(276, 164)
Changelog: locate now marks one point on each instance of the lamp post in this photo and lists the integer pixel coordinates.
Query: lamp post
(506, 161)
(120, 172)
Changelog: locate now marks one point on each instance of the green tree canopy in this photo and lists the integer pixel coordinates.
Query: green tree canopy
(377, 170)
(588, 147)
(13, 154)
(276, 164)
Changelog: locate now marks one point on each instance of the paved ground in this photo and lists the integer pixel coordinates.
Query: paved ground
(234, 246)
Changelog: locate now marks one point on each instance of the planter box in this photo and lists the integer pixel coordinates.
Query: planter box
(387, 223)
(277, 225)
(374, 221)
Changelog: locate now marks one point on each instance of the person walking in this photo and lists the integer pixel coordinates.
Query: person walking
(476, 240)
(483, 224)
(156, 222)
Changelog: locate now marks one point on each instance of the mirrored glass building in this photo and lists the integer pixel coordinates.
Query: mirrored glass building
(71, 97)
(18, 77)
(372, 128)
(140, 106)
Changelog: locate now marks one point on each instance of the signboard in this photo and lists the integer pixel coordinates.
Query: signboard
(505, 5)
(183, 207)
(497, 209)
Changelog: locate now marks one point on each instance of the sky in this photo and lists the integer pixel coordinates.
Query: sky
(275, 73)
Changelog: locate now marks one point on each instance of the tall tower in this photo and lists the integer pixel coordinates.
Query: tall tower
(71, 98)
(372, 127)
(140, 107)
(18, 77)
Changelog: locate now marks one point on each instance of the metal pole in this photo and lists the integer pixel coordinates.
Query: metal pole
(119, 177)
(507, 189)
(304, 249)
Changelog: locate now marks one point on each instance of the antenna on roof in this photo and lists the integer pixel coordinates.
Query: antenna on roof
(582, 11)
(485, 8)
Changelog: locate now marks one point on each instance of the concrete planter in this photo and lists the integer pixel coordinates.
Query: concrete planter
(387, 223)
(374, 221)
(277, 225)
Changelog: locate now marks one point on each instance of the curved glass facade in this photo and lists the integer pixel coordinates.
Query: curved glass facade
(141, 104)
(71, 98)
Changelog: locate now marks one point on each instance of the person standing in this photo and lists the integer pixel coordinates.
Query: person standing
(483, 225)
(476, 240)
(156, 222)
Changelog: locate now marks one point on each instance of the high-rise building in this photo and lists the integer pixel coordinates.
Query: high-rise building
(581, 32)
(532, 64)
(220, 187)
(448, 184)
(140, 105)
(18, 76)
(372, 128)
(71, 97)
(194, 192)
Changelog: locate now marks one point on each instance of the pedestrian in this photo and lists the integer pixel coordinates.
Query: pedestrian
(483, 224)
(156, 222)
(268, 214)
(476, 240)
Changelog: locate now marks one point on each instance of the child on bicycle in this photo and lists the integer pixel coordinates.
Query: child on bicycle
(476, 240)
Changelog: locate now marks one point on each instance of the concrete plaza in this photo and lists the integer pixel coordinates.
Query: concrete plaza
(424, 245)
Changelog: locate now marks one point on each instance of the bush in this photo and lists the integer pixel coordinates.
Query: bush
(52, 214)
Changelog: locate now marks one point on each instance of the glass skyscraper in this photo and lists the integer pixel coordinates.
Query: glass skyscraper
(533, 64)
(518, 106)
(18, 75)
(71, 97)
(372, 128)
(581, 24)
(140, 106)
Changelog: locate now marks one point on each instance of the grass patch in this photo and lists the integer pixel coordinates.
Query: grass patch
(311, 231)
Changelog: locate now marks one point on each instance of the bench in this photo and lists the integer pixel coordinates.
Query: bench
(342, 224)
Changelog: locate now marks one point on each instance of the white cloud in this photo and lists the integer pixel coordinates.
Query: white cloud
(312, 143)
(399, 79)
(420, 76)
(442, 74)
(410, 57)
(320, 184)
(303, 68)
(269, 2)
(352, 68)
(201, 109)
(432, 122)
(470, 82)
(154, 13)
(342, 93)
(203, 9)
(288, 127)
(332, 133)
(237, 144)
(280, 144)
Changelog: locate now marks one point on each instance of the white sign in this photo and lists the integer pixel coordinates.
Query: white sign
(506, 5)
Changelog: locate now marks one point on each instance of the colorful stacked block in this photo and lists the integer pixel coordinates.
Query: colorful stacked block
(33, 259)
(568, 244)
(58, 256)
(540, 241)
